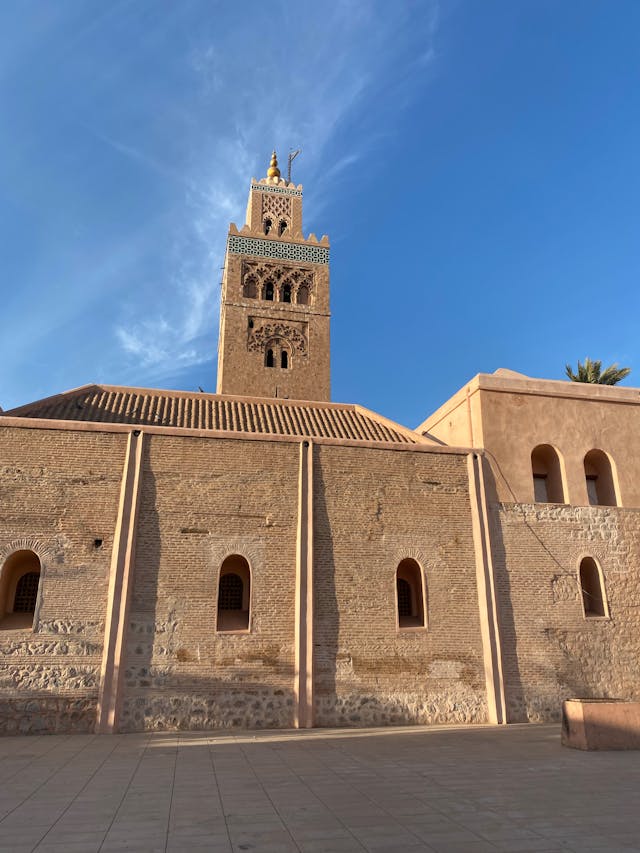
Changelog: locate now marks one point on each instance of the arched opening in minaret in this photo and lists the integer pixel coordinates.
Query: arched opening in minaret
(268, 290)
(284, 359)
(269, 360)
(285, 292)
(268, 225)
(303, 295)
(282, 227)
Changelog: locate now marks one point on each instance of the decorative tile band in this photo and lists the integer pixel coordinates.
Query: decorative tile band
(276, 249)
(265, 188)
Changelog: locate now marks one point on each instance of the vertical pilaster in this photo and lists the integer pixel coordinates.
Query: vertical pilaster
(485, 576)
(304, 592)
(120, 580)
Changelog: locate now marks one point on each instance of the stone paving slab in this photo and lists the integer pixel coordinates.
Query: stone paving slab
(474, 789)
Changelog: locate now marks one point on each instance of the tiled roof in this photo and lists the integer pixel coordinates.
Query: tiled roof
(183, 410)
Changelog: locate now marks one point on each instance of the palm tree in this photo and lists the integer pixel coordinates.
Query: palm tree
(591, 371)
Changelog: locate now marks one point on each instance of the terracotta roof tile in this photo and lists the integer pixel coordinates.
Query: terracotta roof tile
(215, 412)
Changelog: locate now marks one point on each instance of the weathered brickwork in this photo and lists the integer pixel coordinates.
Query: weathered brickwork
(305, 328)
(60, 494)
(550, 650)
(201, 501)
(372, 508)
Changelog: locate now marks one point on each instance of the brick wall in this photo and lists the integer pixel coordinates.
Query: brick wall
(202, 500)
(59, 493)
(372, 508)
(551, 651)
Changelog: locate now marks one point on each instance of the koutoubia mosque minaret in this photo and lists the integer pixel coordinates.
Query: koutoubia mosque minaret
(274, 313)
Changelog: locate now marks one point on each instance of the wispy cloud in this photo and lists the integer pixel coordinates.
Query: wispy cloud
(279, 82)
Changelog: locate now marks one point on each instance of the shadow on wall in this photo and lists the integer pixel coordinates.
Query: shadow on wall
(326, 615)
(543, 664)
(165, 686)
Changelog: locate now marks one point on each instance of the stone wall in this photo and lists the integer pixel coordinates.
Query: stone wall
(60, 495)
(372, 508)
(201, 501)
(551, 651)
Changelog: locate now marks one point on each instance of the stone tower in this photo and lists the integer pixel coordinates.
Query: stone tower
(274, 313)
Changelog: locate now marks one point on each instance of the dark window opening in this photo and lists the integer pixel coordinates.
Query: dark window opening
(599, 475)
(410, 597)
(283, 227)
(268, 291)
(547, 475)
(26, 593)
(230, 597)
(19, 582)
(269, 359)
(591, 588)
(268, 225)
(404, 598)
(286, 293)
(284, 359)
(234, 594)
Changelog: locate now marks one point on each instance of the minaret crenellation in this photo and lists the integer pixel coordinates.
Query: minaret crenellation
(274, 318)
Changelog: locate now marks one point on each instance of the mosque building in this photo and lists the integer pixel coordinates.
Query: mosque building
(264, 557)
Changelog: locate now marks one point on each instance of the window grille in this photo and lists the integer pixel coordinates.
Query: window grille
(230, 595)
(26, 593)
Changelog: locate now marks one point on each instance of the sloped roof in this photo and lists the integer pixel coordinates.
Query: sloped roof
(216, 412)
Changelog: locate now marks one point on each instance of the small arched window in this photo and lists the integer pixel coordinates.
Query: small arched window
(268, 290)
(303, 295)
(410, 597)
(234, 594)
(547, 475)
(599, 474)
(268, 225)
(250, 287)
(594, 600)
(269, 360)
(285, 292)
(19, 584)
(284, 360)
(282, 227)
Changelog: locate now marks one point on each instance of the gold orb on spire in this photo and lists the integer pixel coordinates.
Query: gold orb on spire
(273, 171)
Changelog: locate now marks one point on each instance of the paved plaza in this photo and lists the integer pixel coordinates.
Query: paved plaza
(468, 789)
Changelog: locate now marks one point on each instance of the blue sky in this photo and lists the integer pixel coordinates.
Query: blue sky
(474, 164)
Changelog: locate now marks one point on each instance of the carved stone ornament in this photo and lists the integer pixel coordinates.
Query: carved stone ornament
(259, 337)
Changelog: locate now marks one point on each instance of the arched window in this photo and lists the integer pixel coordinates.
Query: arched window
(19, 583)
(410, 595)
(268, 290)
(284, 359)
(285, 292)
(282, 227)
(599, 474)
(268, 225)
(594, 600)
(303, 295)
(547, 475)
(269, 360)
(250, 288)
(234, 594)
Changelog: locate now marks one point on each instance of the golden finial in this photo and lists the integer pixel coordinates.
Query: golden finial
(273, 171)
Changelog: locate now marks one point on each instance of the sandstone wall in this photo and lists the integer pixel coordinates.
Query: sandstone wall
(202, 500)
(372, 508)
(551, 651)
(59, 494)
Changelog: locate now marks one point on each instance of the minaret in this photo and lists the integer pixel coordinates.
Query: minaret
(274, 313)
